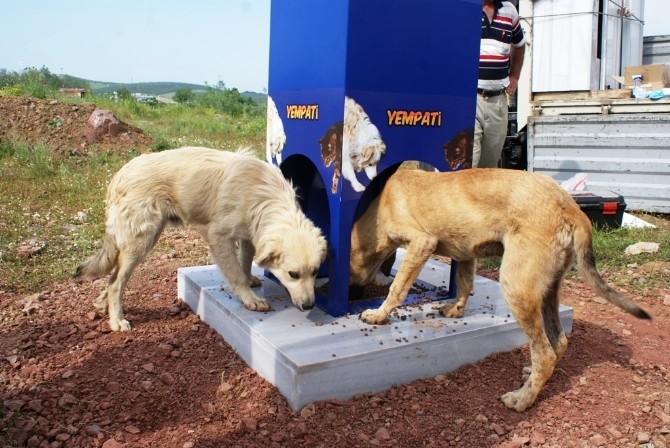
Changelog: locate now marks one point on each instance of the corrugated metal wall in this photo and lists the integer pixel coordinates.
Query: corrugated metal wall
(656, 50)
(628, 154)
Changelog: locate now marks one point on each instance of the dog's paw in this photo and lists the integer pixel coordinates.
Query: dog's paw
(358, 187)
(119, 325)
(517, 400)
(525, 373)
(451, 310)
(255, 282)
(257, 305)
(373, 317)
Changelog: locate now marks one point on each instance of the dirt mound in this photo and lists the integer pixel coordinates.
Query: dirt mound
(62, 127)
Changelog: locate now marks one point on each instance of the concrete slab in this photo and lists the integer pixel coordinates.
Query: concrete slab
(312, 356)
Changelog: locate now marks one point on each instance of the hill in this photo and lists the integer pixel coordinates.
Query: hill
(161, 88)
(150, 88)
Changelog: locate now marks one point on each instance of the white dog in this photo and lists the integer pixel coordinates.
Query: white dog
(275, 135)
(233, 198)
(362, 144)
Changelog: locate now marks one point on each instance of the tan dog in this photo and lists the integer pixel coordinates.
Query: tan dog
(527, 218)
(234, 198)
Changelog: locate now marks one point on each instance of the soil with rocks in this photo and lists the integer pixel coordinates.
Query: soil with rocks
(64, 128)
(66, 380)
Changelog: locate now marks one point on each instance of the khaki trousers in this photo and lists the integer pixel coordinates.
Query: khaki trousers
(490, 131)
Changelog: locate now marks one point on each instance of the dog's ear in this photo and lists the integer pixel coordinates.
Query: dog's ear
(268, 253)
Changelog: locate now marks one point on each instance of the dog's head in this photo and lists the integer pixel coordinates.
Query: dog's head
(458, 152)
(294, 256)
(371, 251)
(331, 144)
(370, 148)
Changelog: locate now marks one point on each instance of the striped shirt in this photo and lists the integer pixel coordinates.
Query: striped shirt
(497, 38)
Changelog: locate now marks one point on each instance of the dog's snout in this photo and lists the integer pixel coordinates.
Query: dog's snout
(307, 306)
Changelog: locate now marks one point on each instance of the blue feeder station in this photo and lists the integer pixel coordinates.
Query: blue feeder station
(356, 88)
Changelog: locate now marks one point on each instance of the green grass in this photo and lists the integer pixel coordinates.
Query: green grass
(43, 199)
(176, 125)
(627, 271)
(630, 270)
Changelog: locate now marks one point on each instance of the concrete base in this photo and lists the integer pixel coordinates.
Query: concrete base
(312, 356)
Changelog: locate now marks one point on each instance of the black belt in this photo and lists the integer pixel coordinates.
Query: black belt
(489, 93)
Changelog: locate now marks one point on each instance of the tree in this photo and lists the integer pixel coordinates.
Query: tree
(123, 93)
(184, 95)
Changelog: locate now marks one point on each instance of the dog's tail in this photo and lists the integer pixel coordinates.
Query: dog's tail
(583, 245)
(100, 263)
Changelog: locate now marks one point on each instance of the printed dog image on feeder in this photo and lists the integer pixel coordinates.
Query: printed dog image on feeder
(275, 135)
(458, 152)
(360, 142)
(331, 152)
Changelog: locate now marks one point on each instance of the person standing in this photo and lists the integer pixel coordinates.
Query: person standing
(501, 54)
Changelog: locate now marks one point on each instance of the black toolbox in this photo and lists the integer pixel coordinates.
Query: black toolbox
(604, 208)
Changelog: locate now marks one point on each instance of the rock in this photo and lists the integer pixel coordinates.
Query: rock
(14, 405)
(598, 440)
(111, 443)
(498, 429)
(63, 437)
(132, 429)
(537, 438)
(600, 300)
(481, 418)
(166, 378)
(103, 123)
(643, 437)
(113, 387)
(250, 424)
(35, 405)
(93, 429)
(67, 400)
(382, 434)
(665, 418)
(28, 250)
(440, 378)
(643, 246)
(91, 335)
(308, 411)
(33, 442)
(148, 367)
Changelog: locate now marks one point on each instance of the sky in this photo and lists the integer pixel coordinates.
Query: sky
(201, 41)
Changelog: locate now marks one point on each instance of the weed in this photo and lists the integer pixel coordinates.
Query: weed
(55, 123)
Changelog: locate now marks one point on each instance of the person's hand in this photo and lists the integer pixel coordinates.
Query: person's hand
(513, 84)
